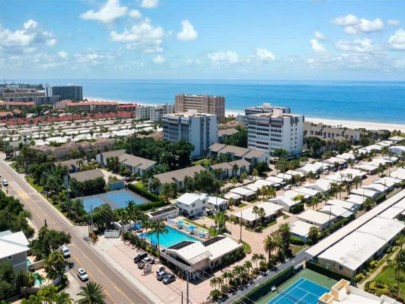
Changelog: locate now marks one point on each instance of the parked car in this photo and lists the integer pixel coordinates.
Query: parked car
(334, 169)
(160, 275)
(65, 251)
(147, 260)
(169, 278)
(5, 182)
(326, 172)
(287, 187)
(160, 268)
(140, 257)
(82, 274)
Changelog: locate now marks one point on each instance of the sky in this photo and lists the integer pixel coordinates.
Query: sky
(203, 39)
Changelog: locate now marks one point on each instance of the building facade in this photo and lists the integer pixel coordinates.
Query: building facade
(202, 103)
(72, 92)
(277, 130)
(156, 113)
(201, 130)
(265, 108)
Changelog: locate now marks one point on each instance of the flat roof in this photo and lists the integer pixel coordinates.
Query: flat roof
(345, 230)
(188, 198)
(222, 247)
(336, 210)
(315, 217)
(87, 175)
(300, 228)
(284, 200)
(178, 175)
(243, 191)
(365, 192)
(345, 204)
(248, 215)
(356, 199)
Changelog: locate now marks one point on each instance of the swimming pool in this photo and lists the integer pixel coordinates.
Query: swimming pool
(173, 237)
(116, 199)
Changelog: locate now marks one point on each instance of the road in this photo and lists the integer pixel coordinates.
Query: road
(117, 289)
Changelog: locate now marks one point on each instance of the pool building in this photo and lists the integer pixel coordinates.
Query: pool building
(194, 257)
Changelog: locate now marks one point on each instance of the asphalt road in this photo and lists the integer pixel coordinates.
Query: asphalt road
(117, 289)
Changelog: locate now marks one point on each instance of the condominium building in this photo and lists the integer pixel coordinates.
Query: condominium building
(91, 106)
(157, 112)
(202, 103)
(143, 112)
(201, 130)
(276, 130)
(265, 108)
(72, 92)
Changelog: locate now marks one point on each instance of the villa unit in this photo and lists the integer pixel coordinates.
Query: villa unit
(16, 105)
(274, 131)
(249, 217)
(14, 248)
(319, 219)
(192, 204)
(178, 176)
(328, 132)
(231, 169)
(253, 156)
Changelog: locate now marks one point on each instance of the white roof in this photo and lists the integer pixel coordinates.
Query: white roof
(361, 245)
(263, 183)
(365, 192)
(284, 200)
(312, 167)
(218, 201)
(315, 217)
(275, 179)
(248, 215)
(400, 148)
(284, 176)
(291, 194)
(295, 172)
(188, 198)
(356, 199)
(376, 187)
(373, 147)
(321, 185)
(193, 253)
(335, 210)
(388, 181)
(230, 195)
(12, 243)
(334, 160)
(346, 156)
(253, 186)
(300, 228)
(392, 212)
(345, 204)
(307, 191)
(353, 250)
(385, 143)
(368, 167)
(243, 191)
(222, 247)
(396, 138)
(399, 173)
(342, 232)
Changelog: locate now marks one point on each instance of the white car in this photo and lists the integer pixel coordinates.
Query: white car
(5, 182)
(82, 274)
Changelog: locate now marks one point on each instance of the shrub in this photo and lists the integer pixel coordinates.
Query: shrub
(296, 240)
(358, 277)
(373, 263)
(297, 208)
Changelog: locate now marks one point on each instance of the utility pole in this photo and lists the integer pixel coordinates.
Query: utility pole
(188, 292)
(240, 225)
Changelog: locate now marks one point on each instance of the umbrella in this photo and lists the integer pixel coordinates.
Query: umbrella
(191, 227)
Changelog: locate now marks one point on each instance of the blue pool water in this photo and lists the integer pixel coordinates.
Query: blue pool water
(116, 199)
(302, 291)
(38, 280)
(173, 237)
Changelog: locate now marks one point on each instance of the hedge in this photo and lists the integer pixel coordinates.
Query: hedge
(263, 289)
(327, 272)
(297, 208)
(296, 240)
(146, 194)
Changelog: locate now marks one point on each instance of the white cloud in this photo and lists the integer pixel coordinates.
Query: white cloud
(187, 31)
(317, 46)
(397, 41)
(93, 57)
(159, 59)
(142, 35)
(108, 13)
(219, 58)
(26, 39)
(135, 14)
(63, 54)
(394, 22)
(264, 55)
(367, 26)
(150, 3)
(353, 25)
(357, 45)
(347, 20)
(319, 35)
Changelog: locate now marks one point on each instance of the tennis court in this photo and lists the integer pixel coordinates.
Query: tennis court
(302, 291)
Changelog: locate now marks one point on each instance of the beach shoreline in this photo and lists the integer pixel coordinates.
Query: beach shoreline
(351, 124)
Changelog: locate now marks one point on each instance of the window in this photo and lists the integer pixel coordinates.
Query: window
(193, 205)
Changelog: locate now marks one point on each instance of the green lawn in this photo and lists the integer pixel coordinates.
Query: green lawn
(297, 248)
(387, 276)
(30, 180)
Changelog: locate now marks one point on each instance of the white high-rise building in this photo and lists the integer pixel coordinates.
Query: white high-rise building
(199, 129)
(158, 111)
(276, 130)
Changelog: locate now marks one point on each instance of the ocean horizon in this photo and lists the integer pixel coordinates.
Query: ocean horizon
(373, 101)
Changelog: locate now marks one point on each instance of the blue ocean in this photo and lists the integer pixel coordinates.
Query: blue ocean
(362, 101)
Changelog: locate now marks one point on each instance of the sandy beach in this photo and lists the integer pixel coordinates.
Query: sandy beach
(352, 124)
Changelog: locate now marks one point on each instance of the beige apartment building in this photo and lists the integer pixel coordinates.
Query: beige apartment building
(202, 103)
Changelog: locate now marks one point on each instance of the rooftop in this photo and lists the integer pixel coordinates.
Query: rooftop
(12, 243)
(315, 217)
(178, 175)
(87, 175)
(248, 215)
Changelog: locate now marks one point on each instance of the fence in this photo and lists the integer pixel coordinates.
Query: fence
(112, 234)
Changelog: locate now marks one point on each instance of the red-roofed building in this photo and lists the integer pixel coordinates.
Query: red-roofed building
(11, 105)
(129, 107)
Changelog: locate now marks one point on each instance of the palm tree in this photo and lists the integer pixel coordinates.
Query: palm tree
(284, 232)
(255, 258)
(92, 293)
(255, 211)
(220, 282)
(269, 245)
(231, 202)
(261, 213)
(237, 272)
(62, 298)
(159, 227)
(248, 266)
(314, 202)
(80, 164)
(235, 169)
(255, 173)
(357, 181)
(214, 282)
